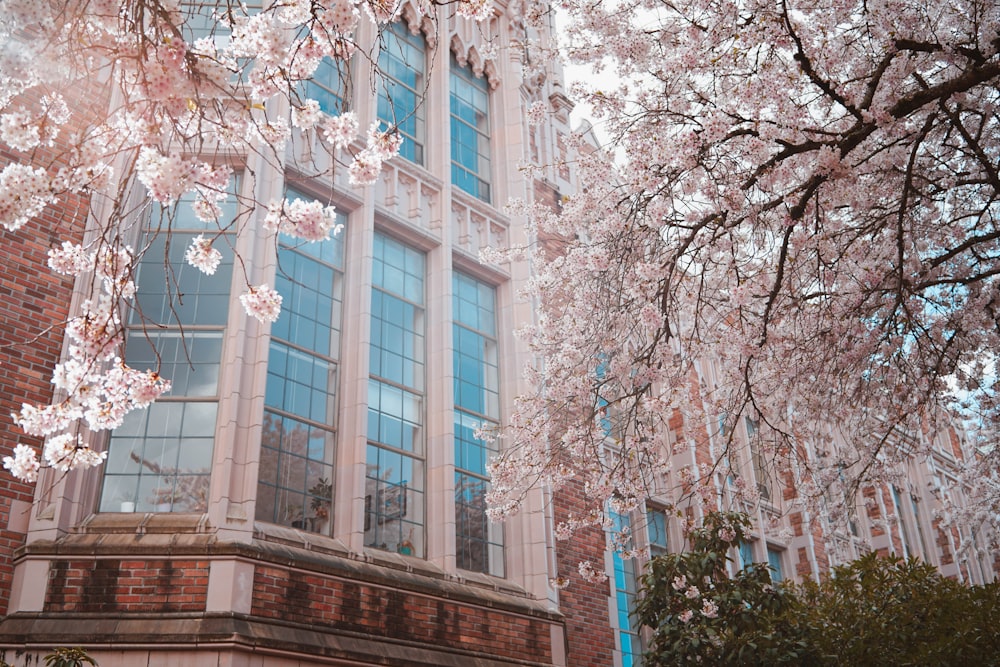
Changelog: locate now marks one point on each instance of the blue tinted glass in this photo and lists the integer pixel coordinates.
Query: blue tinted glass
(401, 62)
(328, 85)
(470, 131)
(774, 560)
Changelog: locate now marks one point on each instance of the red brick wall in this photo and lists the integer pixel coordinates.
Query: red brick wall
(589, 636)
(34, 302)
(318, 600)
(113, 585)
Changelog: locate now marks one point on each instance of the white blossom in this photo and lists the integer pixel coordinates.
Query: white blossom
(340, 130)
(365, 167)
(589, 574)
(201, 255)
(307, 220)
(24, 193)
(66, 452)
(23, 464)
(70, 259)
(167, 177)
(262, 303)
(307, 116)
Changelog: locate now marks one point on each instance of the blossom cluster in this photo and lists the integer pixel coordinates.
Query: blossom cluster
(98, 389)
(25, 191)
(367, 164)
(306, 220)
(262, 303)
(201, 255)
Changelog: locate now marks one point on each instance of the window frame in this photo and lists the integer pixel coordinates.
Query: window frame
(189, 491)
(388, 501)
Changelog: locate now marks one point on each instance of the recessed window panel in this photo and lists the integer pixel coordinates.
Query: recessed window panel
(295, 479)
(470, 132)
(476, 387)
(394, 487)
(161, 457)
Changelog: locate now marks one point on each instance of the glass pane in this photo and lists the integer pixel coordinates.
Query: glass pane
(395, 417)
(162, 461)
(329, 85)
(171, 291)
(301, 384)
(774, 560)
(394, 502)
(296, 475)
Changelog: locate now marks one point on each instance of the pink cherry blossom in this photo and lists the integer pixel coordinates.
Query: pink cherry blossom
(307, 116)
(166, 176)
(341, 130)
(384, 143)
(307, 220)
(787, 247)
(68, 452)
(70, 259)
(23, 464)
(365, 167)
(201, 255)
(24, 193)
(590, 574)
(262, 303)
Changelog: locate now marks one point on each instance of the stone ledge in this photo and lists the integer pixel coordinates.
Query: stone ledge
(232, 634)
(407, 574)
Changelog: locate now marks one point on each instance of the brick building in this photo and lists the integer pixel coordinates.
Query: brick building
(312, 492)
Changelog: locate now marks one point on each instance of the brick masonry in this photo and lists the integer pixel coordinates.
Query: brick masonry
(589, 638)
(34, 304)
(377, 611)
(117, 585)
(97, 594)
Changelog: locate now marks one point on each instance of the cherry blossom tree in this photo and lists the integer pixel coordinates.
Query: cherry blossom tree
(100, 99)
(794, 231)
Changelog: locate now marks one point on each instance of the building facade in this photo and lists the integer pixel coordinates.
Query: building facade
(313, 492)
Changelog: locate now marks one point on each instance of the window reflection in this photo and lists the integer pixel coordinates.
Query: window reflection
(401, 86)
(394, 481)
(161, 457)
(476, 391)
(295, 478)
(470, 131)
